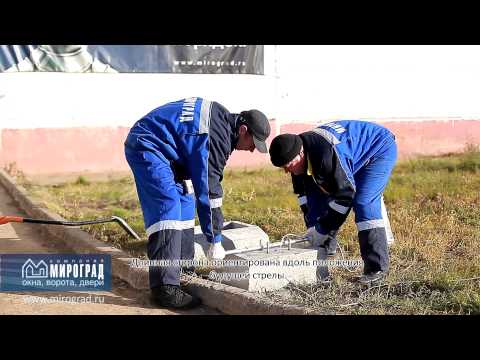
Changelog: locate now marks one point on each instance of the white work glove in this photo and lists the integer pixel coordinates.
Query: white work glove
(216, 251)
(315, 238)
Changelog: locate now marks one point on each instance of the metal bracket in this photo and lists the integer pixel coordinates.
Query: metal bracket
(268, 246)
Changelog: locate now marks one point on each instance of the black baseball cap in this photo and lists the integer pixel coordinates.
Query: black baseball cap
(284, 148)
(258, 126)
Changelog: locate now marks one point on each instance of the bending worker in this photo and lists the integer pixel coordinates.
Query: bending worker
(177, 154)
(349, 162)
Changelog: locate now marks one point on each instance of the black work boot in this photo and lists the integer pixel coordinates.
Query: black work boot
(171, 296)
(323, 274)
(372, 278)
(331, 244)
(374, 250)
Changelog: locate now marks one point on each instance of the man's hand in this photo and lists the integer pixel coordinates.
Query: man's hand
(315, 238)
(216, 251)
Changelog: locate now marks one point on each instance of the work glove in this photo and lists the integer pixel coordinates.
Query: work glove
(315, 238)
(216, 251)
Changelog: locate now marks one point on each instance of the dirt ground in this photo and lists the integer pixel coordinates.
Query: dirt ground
(122, 300)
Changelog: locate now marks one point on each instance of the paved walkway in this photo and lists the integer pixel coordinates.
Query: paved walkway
(18, 238)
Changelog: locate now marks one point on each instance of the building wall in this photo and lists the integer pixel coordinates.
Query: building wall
(84, 149)
(427, 95)
(423, 136)
(378, 82)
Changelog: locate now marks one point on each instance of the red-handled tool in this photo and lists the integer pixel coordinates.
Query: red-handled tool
(9, 219)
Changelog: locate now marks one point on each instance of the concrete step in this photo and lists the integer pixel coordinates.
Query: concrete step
(236, 235)
(258, 270)
(269, 271)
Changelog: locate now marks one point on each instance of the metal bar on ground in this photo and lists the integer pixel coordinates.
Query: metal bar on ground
(262, 247)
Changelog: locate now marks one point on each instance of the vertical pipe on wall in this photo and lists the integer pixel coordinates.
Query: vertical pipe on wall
(277, 91)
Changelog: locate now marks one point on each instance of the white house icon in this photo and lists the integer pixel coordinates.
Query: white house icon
(32, 271)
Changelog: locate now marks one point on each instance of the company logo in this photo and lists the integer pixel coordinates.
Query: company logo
(336, 127)
(57, 272)
(30, 270)
(188, 109)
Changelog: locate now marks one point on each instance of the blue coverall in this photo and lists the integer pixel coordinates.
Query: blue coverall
(186, 140)
(350, 162)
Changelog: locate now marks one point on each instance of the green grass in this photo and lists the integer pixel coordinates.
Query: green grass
(434, 210)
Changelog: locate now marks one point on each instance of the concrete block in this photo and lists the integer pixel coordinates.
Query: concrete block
(269, 271)
(236, 235)
(265, 271)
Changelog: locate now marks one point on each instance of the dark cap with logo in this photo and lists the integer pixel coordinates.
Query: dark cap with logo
(258, 126)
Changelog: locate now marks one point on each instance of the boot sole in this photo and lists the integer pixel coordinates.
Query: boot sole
(191, 305)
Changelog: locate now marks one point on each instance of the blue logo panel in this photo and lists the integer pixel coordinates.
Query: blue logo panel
(55, 272)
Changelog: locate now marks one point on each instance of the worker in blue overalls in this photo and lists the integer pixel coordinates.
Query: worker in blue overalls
(336, 167)
(177, 154)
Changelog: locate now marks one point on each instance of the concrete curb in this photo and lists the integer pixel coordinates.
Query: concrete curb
(225, 298)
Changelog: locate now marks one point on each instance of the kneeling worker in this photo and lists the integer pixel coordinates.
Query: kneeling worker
(350, 162)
